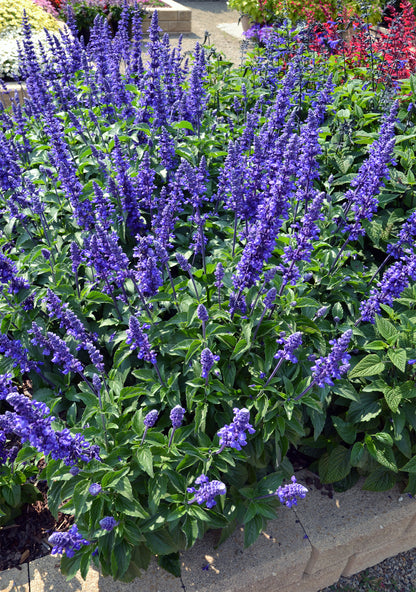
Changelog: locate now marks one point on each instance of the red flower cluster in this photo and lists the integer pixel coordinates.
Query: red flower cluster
(389, 52)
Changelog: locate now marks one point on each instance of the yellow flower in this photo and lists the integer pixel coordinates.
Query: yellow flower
(11, 16)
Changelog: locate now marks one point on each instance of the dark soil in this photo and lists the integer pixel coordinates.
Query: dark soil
(27, 538)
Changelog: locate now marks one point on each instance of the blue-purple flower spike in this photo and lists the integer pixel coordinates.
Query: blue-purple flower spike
(108, 523)
(67, 542)
(289, 494)
(207, 492)
(149, 421)
(207, 362)
(233, 435)
(176, 417)
(137, 339)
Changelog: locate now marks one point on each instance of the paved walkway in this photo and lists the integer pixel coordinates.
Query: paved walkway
(217, 20)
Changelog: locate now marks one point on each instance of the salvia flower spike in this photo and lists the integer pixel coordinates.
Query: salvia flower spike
(207, 492)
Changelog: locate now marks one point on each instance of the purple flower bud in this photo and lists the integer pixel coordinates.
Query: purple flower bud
(108, 523)
(176, 416)
(269, 298)
(151, 418)
(219, 274)
(202, 313)
(94, 488)
(183, 263)
(207, 361)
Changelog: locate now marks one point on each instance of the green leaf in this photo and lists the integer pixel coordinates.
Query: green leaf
(366, 408)
(252, 530)
(183, 125)
(170, 563)
(98, 297)
(376, 345)
(195, 345)
(385, 328)
(70, 566)
(346, 430)
(370, 365)
(337, 466)
(383, 453)
(241, 347)
(120, 558)
(357, 453)
(410, 466)
(380, 480)
(145, 460)
(113, 477)
(398, 357)
(404, 443)
(160, 542)
(12, 495)
(393, 397)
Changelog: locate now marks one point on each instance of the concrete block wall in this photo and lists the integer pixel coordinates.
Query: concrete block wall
(175, 18)
(303, 550)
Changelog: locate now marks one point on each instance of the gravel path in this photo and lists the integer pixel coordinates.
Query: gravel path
(396, 574)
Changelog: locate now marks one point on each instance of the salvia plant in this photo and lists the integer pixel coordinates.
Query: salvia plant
(202, 270)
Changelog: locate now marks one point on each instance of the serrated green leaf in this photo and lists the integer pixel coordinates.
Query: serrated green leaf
(170, 563)
(410, 466)
(385, 328)
(383, 454)
(398, 357)
(393, 397)
(113, 477)
(240, 348)
(252, 530)
(195, 345)
(346, 430)
(380, 480)
(357, 453)
(160, 542)
(370, 365)
(337, 466)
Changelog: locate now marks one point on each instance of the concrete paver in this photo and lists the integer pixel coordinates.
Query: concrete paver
(219, 22)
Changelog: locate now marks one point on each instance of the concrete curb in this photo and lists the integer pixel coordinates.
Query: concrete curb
(174, 18)
(303, 550)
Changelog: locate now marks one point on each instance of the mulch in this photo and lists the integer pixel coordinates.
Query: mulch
(27, 538)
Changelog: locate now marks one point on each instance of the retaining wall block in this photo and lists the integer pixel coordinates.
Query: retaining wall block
(278, 557)
(335, 527)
